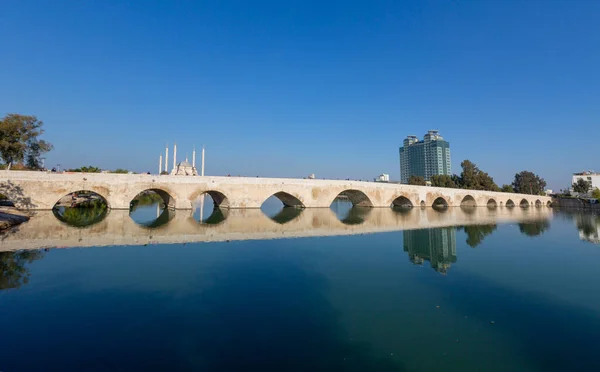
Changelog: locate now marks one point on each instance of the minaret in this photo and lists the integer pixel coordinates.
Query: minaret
(167, 159)
(194, 158)
(175, 157)
(160, 164)
(202, 169)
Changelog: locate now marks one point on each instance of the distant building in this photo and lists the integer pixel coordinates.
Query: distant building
(425, 158)
(590, 176)
(383, 177)
(311, 176)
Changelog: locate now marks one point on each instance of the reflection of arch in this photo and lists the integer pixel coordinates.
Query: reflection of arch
(524, 203)
(423, 204)
(217, 216)
(492, 204)
(440, 203)
(286, 215)
(468, 201)
(167, 199)
(402, 202)
(356, 216)
(500, 204)
(288, 200)
(80, 217)
(165, 216)
(538, 203)
(357, 198)
(510, 203)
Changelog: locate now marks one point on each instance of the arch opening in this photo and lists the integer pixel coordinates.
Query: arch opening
(538, 204)
(402, 202)
(152, 208)
(468, 201)
(282, 207)
(549, 204)
(491, 204)
(440, 203)
(81, 208)
(423, 205)
(524, 203)
(356, 197)
(510, 203)
(210, 207)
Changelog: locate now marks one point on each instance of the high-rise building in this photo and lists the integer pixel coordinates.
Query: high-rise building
(424, 158)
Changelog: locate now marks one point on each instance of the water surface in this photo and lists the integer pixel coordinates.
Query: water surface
(296, 290)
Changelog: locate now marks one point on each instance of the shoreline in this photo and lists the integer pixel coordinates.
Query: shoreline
(11, 217)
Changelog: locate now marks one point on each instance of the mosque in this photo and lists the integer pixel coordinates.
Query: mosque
(183, 168)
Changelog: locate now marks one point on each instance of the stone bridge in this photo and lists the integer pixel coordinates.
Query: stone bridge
(44, 230)
(42, 190)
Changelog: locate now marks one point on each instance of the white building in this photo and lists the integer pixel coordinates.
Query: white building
(383, 177)
(590, 176)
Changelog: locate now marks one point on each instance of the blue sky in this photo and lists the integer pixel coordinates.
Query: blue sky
(288, 88)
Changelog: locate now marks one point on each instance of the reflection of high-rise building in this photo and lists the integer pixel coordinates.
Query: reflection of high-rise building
(425, 158)
(438, 246)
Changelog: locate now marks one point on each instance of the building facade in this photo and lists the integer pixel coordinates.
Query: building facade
(425, 158)
(590, 176)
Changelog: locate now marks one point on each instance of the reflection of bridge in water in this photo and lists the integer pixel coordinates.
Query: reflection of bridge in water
(117, 228)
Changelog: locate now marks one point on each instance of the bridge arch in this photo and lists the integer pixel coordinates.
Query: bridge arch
(218, 197)
(288, 200)
(402, 202)
(165, 196)
(491, 204)
(549, 204)
(440, 203)
(510, 203)
(356, 197)
(524, 203)
(468, 201)
(84, 197)
(538, 203)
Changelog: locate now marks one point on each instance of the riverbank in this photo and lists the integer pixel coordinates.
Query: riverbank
(575, 203)
(10, 217)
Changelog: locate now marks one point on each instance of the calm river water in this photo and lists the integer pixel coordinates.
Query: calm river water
(288, 290)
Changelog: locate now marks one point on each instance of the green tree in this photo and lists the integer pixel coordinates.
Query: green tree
(417, 180)
(596, 193)
(442, 180)
(19, 140)
(121, 171)
(528, 183)
(473, 178)
(582, 186)
(88, 169)
(507, 188)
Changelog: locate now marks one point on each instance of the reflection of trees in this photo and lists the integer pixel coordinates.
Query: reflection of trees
(476, 233)
(13, 270)
(81, 217)
(534, 228)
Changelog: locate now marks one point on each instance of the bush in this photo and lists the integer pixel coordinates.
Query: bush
(596, 193)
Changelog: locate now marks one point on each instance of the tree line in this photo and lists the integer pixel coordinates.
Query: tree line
(473, 178)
